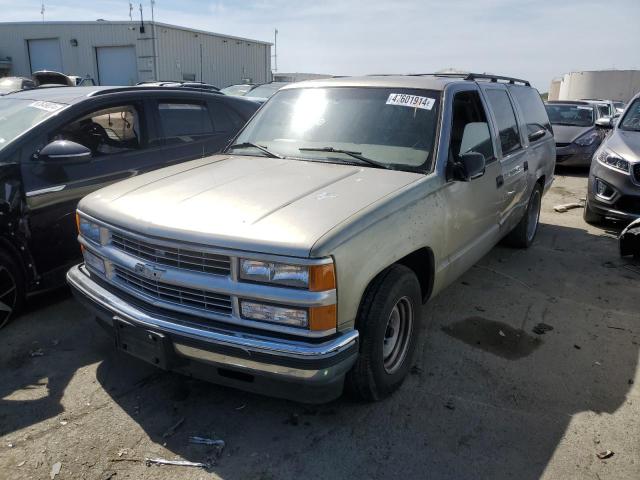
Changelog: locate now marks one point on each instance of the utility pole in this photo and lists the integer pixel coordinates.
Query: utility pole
(42, 11)
(153, 44)
(131, 11)
(275, 50)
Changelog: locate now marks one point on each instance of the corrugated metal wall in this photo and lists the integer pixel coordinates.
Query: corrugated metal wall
(225, 60)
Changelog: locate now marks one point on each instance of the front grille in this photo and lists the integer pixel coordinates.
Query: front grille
(171, 294)
(636, 172)
(186, 259)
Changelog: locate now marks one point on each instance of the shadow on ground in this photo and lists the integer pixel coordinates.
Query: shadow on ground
(466, 411)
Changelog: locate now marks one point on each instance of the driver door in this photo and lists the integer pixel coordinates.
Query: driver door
(117, 135)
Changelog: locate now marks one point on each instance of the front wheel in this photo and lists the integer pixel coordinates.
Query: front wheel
(389, 323)
(523, 234)
(11, 289)
(590, 216)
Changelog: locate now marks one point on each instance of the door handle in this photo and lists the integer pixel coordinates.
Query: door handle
(499, 181)
(526, 166)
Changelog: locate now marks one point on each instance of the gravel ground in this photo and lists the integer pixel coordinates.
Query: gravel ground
(487, 398)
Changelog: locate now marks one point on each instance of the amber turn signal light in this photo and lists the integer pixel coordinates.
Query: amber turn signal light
(323, 318)
(322, 277)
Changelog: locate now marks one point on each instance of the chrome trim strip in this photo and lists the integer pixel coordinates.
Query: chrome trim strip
(249, 342)
(42, 191)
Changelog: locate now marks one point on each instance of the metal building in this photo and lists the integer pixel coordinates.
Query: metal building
(619, 85)
(124, 53)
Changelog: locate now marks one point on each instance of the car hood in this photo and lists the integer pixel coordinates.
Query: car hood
(568, 133)
(625, 143)
(242, 202)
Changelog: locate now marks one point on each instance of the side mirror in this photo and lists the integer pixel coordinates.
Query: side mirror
(605, 122)
(65, 151)
(471, 165)
(538, 134)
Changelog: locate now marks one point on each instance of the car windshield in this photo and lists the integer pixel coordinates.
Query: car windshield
(237, 90)
(265, 91)
(574, 115)
(390, 127)
(19, 115)
(631, 119)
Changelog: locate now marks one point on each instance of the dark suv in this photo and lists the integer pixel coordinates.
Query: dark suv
(58, 144)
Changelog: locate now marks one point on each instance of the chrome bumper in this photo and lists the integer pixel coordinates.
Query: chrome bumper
(259, 355)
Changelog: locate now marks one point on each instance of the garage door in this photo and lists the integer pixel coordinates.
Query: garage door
(45, 54)
(117, 65)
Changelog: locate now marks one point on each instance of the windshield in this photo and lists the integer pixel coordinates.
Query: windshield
(394, 127)
(266, 90)
(574, 115)
(631, 119)
(19, 115)
(237, 90)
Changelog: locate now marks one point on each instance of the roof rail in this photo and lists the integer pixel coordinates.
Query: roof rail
(477, 76)
(141, 88)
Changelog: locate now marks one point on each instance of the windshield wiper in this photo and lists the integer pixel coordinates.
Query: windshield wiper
(264, 150)
(357, 155)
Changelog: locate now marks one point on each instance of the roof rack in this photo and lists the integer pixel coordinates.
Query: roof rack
(481, 76)
(141, 88)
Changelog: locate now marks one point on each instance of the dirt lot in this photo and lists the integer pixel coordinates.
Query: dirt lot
(488, 397)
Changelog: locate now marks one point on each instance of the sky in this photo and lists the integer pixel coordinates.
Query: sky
(536, 40)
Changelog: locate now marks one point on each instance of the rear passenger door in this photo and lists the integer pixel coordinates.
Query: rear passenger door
(512, 179)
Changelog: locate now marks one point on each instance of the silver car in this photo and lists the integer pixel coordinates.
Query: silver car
(614, 178)
(302, 256)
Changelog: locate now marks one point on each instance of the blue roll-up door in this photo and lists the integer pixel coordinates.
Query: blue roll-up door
(45, 54)
(117, 65)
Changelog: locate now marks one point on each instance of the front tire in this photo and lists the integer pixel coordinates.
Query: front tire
(590, 216)
(389, 325)
(524, 233)
(12, 291)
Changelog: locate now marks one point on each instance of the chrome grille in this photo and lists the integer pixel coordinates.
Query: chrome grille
(172, 257)
(636, 172)
(172, 294)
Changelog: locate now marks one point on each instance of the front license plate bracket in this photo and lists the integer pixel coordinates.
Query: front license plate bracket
(139, 342)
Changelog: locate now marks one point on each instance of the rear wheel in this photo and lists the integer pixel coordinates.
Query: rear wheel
(388, 323)
(524, 233)
(590, 216)
(11, 289)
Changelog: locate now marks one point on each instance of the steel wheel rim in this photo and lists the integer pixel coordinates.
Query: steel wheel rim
(534, 215)
(397, 335)
(8, 295)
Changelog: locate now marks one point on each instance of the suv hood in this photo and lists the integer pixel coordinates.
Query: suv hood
(625, 143)
(242, 202)
(568, 133)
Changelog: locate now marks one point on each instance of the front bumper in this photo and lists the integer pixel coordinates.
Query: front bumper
(308, 371)
(575, 155)
(625, 202)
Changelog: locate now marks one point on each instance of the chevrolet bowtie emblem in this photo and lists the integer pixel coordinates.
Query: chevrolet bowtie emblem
(149, 271)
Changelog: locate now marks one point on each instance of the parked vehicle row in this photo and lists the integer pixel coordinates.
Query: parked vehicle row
(300, 258)
(59, 144)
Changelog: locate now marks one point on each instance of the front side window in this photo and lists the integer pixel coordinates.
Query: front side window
(631, 119)
(535, 115)
(17, 116)
(571, 114)
(106, 131)
(469, 127)
(603, 111)
(183, 122)
(506, 118)
(394, 127)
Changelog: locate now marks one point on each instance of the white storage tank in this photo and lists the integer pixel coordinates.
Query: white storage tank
(619, 85)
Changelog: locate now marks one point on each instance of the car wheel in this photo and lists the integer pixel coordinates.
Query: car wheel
(11, 289)
(590, 216)
(524, 233)
(388, 323)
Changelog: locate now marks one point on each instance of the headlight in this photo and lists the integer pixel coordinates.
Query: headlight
(610, 159)
(312, 277)
(91, 231)
(588, 138)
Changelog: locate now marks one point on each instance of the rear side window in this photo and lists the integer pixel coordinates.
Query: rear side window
(506, 118)
(184, 122)
(225, 119)
(535, 115)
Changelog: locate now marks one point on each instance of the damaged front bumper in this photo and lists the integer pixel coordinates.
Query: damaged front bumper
(307, 371)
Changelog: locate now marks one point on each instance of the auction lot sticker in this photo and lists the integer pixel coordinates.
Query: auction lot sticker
(412, 101)
(46, 106)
